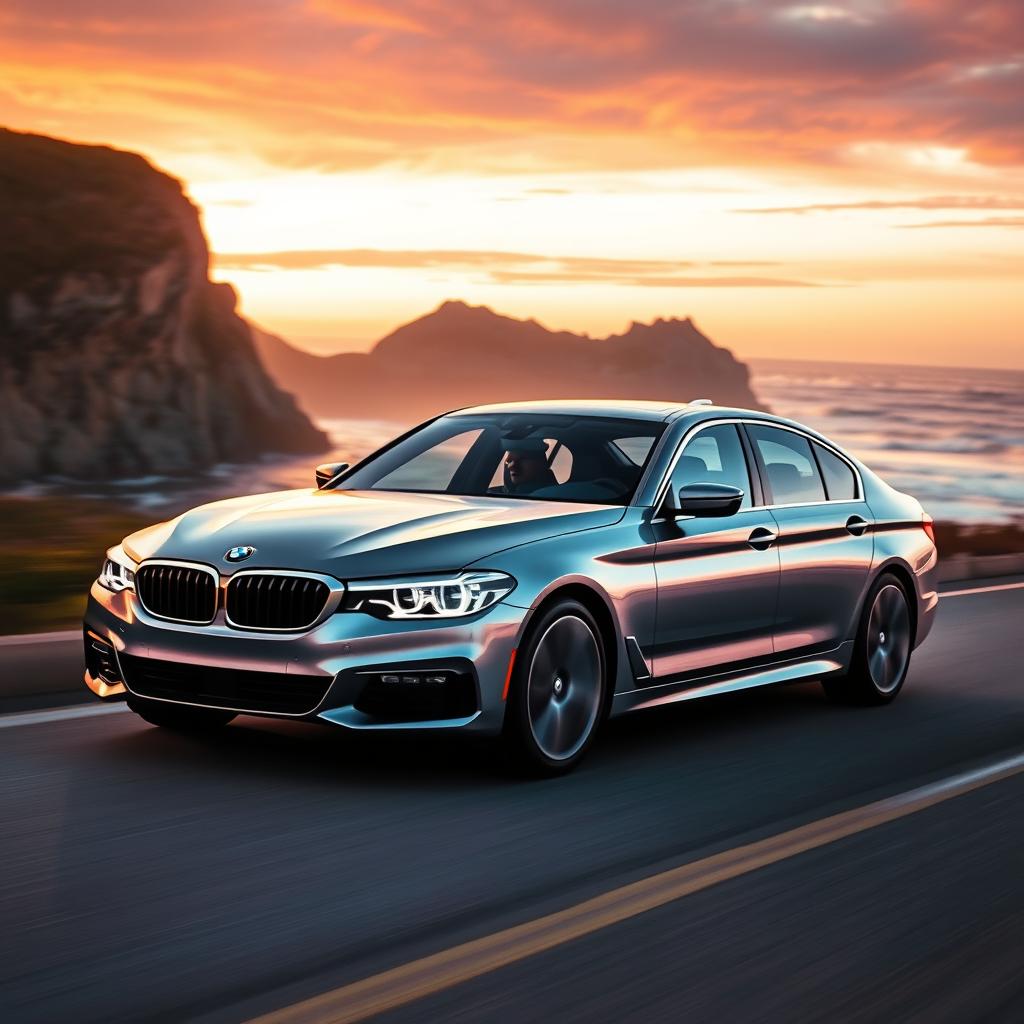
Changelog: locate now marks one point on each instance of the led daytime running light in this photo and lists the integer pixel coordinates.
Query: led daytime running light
(453, 597)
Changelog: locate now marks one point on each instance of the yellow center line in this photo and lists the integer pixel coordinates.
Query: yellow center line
(432, 974)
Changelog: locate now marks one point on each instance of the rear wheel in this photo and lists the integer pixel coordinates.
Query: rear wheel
(558, 691)
(881, 655)
(179, 717)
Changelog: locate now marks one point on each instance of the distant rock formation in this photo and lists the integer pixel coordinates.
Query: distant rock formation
(118, 356)
(467, 355)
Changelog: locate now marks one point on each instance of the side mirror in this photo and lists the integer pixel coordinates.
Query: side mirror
(709, 500)
(327, 471)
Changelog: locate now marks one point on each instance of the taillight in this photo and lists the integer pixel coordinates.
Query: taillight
(928, 525)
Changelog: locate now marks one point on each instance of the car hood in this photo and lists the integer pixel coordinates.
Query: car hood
(353, 534)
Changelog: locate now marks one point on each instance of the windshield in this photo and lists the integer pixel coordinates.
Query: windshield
(589, 459)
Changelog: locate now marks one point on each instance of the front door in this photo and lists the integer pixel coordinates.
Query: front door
(718, 578)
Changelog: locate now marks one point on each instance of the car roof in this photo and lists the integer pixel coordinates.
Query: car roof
(689, 412)
(615, 407)
(684, 413)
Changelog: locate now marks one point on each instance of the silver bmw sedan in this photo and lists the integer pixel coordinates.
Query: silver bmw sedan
(524, 571)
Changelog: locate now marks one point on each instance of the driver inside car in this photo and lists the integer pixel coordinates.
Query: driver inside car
(526, 466)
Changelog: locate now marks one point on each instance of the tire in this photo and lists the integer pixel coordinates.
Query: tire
(558, 692)
(178, 717)
(881, 653)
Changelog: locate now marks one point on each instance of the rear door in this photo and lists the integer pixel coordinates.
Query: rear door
(825, 542)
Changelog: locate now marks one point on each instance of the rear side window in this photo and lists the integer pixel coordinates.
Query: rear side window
(789, 465)
(840, 482)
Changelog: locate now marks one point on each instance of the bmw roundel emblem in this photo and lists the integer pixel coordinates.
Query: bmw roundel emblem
(239, 554)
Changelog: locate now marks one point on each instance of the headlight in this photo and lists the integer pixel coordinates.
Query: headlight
(440, 597)
(118, 571)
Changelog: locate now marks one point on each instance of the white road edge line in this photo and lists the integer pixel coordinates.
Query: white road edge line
(25, 639)
(980, 590)
(59, 714)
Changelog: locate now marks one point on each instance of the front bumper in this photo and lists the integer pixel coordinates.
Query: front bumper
(342, 654)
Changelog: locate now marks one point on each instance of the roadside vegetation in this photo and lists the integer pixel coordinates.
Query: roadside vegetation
(51, 549)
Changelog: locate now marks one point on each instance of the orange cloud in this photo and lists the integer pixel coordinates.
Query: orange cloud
(319, 258)
(643, 281)
(555, 84)
(511, 267)
(924, 203)
(984, 222)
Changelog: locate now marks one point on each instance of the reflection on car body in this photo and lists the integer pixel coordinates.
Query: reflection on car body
(524, 571)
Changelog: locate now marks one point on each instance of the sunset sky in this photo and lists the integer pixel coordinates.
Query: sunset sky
(839, 180)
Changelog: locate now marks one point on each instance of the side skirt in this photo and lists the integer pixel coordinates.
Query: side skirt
(765, 675)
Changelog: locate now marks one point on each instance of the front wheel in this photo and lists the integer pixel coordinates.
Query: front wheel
(179, 717)
(881, 655)
(558, 691)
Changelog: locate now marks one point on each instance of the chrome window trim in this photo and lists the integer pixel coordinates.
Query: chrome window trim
(335, 586)
(705, 424)
(179, 564)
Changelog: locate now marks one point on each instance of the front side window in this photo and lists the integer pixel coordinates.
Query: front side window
(715, 456)
(588, 459)
(792, 474)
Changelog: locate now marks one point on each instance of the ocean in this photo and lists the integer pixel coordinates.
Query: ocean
(952, 437)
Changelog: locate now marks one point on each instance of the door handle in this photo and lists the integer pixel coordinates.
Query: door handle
(762, 538)
(856, 525)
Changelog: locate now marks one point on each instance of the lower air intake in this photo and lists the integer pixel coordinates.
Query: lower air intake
(236, 689)
(417, 696)
(100, 659)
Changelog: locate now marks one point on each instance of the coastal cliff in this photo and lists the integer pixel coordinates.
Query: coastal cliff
(118, 356)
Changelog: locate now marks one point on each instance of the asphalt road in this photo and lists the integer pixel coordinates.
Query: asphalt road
(41, 670)
(148, 876)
